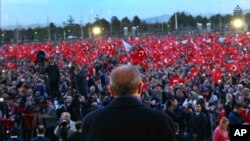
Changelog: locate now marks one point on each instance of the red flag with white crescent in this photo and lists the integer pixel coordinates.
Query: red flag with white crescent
(175, 80)
(233, 67)
(216, 75)
(193, 73)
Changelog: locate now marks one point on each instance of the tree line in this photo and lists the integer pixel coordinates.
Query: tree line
(186, 22)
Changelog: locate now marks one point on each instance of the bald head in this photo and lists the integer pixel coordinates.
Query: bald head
(125, 80)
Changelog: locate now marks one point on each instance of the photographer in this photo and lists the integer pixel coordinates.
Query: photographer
(65, 126)
(77, 136)
(49, 118)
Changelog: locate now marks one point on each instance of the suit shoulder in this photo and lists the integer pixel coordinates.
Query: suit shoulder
(157, 114)
(158, 117)
(93, 114)
(37, 138)
(15, 139)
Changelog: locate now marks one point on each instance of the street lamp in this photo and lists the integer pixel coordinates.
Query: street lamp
(3, 37)
(237, 23)
(96, 31)
(69, 31)
(35, 36)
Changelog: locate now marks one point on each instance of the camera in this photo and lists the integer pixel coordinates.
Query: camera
(64, 124)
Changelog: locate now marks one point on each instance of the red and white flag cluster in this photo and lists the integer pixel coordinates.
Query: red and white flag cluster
(210, 50)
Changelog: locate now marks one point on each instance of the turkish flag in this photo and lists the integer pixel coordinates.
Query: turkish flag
(86, 47)
(168, 61)
(123, 59)
(193, 73)
(233, 67)
(175, 80)
(11, 66)
(141, 53)
(216, 75)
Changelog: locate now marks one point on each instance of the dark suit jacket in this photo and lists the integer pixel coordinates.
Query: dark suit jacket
(15, 139)
(53, 74)
(82, 83)
(76, 136)
(198, 125)
(38, 138)
(126, 119)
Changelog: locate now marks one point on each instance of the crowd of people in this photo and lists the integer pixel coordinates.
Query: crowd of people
(200, 81)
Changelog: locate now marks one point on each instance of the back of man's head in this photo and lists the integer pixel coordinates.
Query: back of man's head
(78, 125)
(237, 108)
(40, 130)
(125, 80)
(14, 131)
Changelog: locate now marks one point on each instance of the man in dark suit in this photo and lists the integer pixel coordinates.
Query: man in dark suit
(126, 118)
(40, 134)
(77, 136)
(53, 79)
(79, 79)
(198, 123)
(14, 135)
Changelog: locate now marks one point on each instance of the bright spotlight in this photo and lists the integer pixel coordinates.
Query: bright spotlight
(96, 30)
(237, 23)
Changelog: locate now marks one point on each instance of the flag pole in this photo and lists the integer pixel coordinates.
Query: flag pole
(17, 31)
(81, 27)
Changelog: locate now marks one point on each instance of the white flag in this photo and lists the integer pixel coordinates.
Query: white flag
(195, 45)
(221, 39)
(127, 46)
(184, 42)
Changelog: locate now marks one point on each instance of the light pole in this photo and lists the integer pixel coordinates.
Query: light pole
(220, 24)
(35, 35)
(111, 27)
(90, 16)
(243, 15)
(2, 38)
(69, 31)
(137, 29)
(81, 27)
(175, 17)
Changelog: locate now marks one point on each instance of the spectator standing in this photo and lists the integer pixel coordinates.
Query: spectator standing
(221, 133)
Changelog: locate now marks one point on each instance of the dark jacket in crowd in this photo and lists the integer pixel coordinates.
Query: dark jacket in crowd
(235, 119)
(178, 116)
(198, 125)
(53, 73)
(126, 119)
(76, 136)
(82, 83)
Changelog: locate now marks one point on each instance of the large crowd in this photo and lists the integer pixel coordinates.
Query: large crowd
(50, 83)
